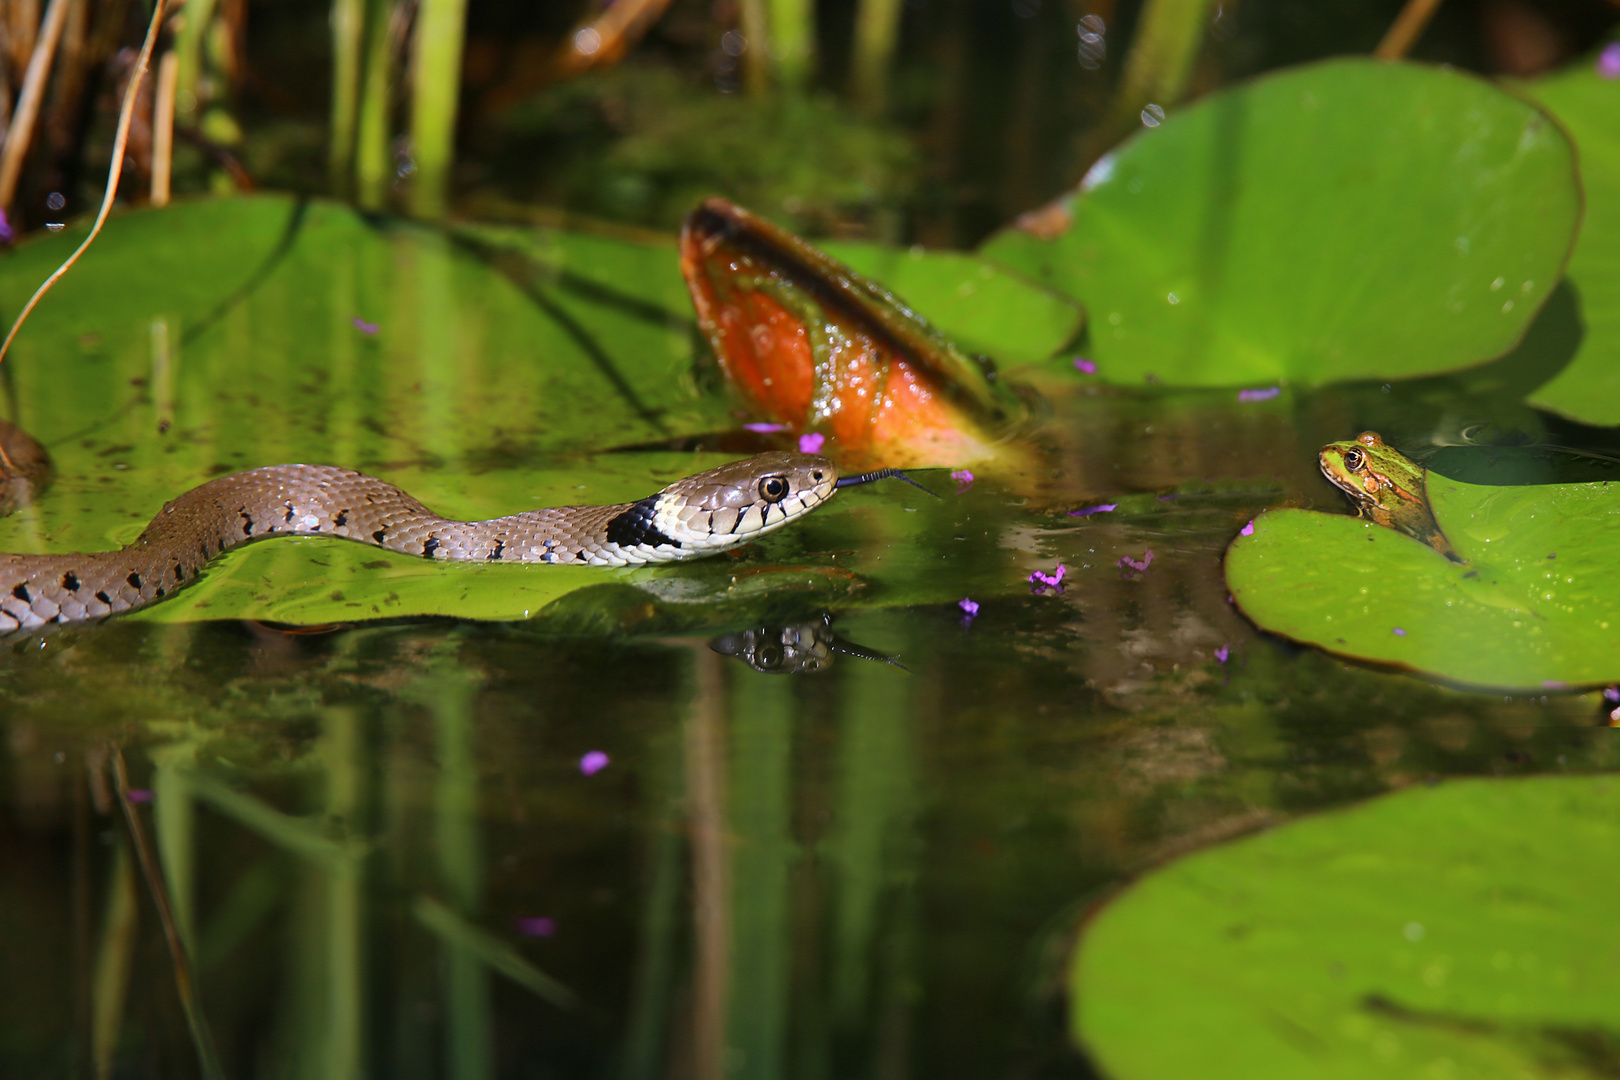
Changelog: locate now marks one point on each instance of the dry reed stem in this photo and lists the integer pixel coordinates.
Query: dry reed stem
(114, 172)
(21, 131)
(1406, 29)
(163, 127)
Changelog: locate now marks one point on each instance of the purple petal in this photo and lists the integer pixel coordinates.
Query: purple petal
(765, 429)
(1139, 565)
(1040, 582)
(6, 232)
(140, 794)
(1247, 530)
(811, 443)
(1084, 366)
(971, 607)
(1398, 632)
(964, 480)
(1221, 654)
(1608, 61)
(1100, 508)
(1612, 693)
(536, 926)
(363, 326)
(593, 763)
(1259, 395)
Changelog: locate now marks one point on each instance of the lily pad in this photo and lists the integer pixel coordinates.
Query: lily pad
(1345, 220)
(1588, 389)
(480, 369)
(219, 335)
(1457, 931)
(1535, 606)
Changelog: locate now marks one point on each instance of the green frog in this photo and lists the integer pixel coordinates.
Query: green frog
(1386, 487)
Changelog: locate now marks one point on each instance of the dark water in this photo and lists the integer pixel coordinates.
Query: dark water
(380, 846)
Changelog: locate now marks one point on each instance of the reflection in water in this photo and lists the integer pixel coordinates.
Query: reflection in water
(794, 648)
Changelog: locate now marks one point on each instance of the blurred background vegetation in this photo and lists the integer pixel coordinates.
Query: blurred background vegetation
(901, 120)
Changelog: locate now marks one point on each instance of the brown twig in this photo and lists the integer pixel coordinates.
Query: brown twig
(114, 171)
(209, 1061)
(1406, 29)
(21, 131)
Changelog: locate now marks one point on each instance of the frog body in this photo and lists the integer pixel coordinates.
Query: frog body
(1386, 487)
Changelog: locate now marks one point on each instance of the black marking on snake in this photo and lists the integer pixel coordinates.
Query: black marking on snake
(134, 580)
(495, 552)
(289, 507)
(580, 555)
(429, 546)
(104, 598)
(379, 534)
(341, 520)
(636, 526)
(70, 581)
(179, 572)
(21, 593)
(161, 592)
(247, 525)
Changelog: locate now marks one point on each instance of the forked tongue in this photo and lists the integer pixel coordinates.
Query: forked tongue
(881, 474)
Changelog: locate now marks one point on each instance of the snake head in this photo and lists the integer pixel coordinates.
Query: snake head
(743, 500)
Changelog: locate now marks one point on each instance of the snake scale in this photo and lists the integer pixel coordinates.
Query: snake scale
(702, 514)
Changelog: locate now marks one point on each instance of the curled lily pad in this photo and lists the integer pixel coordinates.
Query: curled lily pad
(1347, 219)
(1535, 604)
(1457, 931)
(811, 343)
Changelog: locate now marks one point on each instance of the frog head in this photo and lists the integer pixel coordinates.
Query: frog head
(1385, 486)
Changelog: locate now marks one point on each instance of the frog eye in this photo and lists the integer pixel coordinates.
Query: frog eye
(773, 489)
(1354, 459)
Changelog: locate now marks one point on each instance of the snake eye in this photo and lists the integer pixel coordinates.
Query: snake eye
(1354, 459)
(773, 489)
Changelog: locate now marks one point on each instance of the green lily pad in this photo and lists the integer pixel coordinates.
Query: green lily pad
(220, 335)
(1456, 931)
(478, 369)
(1588, 389)
(1345, 220)
(984, 307)
(1536, 605)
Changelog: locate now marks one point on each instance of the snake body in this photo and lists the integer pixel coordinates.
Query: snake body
(700, 515)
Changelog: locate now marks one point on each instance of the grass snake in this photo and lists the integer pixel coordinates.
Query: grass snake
(703, 514)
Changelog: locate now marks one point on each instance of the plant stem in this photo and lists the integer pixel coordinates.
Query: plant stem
(163, 127)
(348, 36)
(188, 43)
(877, 29)
(202, 1039)
(371, 157)
(1406, 29)
(21, 131)
(756, 31)
(440, 26)
(793, 39)
(120, 140)
(1166, 43)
